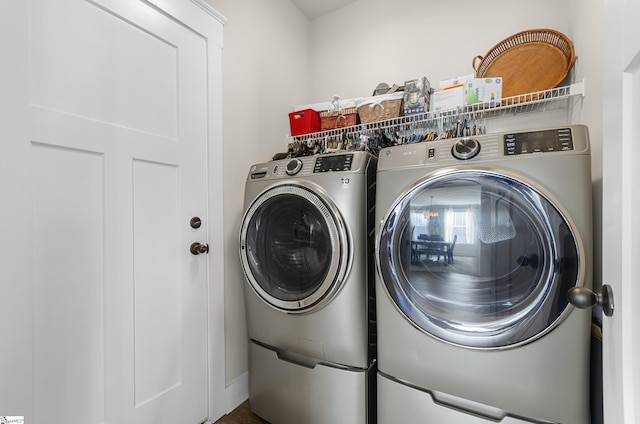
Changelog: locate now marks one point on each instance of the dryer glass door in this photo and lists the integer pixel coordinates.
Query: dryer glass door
(294, 248)
(478, 259)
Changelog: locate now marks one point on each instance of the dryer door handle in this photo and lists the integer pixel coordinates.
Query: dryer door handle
(583, 298)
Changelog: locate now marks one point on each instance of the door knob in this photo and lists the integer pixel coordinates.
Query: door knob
(198, 248)
(583, 298)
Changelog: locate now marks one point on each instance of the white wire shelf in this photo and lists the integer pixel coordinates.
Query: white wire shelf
(531, 102)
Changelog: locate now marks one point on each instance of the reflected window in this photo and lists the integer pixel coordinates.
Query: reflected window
(460, 223)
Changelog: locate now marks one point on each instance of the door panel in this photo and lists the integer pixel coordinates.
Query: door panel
(68, 283)
(632, 240)
(621, 231)
(122, 70)
(156, 280)
(106, 112)
(118, 129)
(16, 219)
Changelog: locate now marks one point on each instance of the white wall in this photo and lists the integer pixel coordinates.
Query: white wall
(265, 71)
(277, 52)
(376, 41)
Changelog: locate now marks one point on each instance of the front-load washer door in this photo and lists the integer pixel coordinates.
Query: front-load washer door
(294, 247)
(478, 259)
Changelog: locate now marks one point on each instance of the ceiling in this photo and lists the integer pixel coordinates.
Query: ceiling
(315, 8)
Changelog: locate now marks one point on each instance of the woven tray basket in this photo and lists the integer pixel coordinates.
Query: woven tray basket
(380, 109)
(338, 119)
(529, 61)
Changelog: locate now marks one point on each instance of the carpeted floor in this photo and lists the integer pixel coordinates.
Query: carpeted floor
(241, 415)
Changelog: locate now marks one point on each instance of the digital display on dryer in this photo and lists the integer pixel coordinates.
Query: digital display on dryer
(538, 141)
(330, 163)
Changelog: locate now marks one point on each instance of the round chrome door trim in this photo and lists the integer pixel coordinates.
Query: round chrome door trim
(340, 246)
(398, 274)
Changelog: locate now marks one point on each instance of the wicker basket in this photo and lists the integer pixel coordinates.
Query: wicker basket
(380, 108)
(529, 61)
(338, 119)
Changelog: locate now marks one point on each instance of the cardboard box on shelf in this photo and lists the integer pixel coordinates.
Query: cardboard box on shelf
(455, 81)
(417, 94)
(449, 97)
(483, 90)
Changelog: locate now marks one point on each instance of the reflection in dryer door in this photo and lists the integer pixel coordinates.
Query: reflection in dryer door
(478, 259)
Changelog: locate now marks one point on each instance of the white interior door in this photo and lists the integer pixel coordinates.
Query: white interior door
(111, 153)
(621, 201)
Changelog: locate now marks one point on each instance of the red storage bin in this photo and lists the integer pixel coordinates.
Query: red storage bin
(304, 122)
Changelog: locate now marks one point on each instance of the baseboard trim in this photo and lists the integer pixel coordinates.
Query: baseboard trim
(237, 392)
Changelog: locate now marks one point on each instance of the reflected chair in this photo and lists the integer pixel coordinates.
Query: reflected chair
(450, 250)
(421, 249)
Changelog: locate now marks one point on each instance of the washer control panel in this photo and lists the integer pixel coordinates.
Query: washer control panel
(333, 163)
(304, 167)
(554, 140)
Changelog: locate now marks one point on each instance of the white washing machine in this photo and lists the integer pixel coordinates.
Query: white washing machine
(479, 241)
(309, 295)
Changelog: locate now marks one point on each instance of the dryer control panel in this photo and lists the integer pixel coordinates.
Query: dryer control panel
(559, 139)
(567, 139)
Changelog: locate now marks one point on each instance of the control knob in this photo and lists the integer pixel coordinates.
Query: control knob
(465, 148)
(293, 166)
